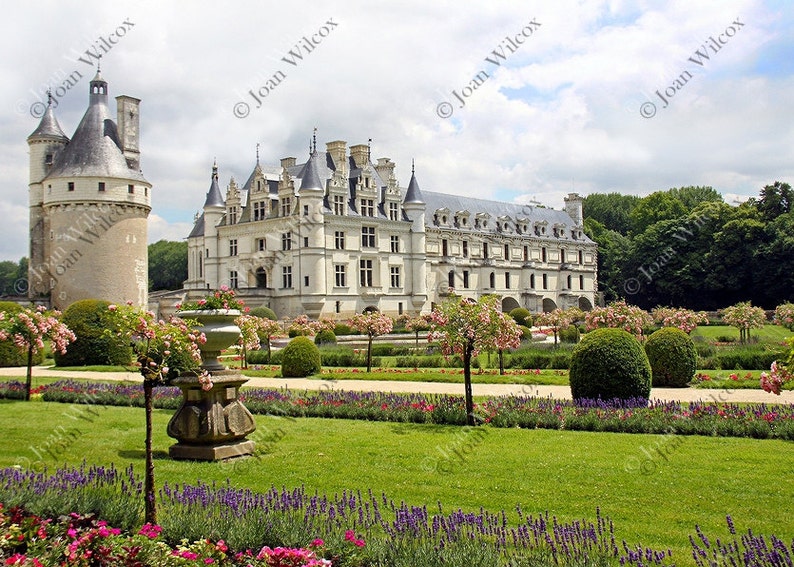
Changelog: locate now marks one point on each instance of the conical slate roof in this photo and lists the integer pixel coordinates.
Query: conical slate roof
(414, 194)
(310, 176)
(214, 196)
(49, 127)
(95, 150)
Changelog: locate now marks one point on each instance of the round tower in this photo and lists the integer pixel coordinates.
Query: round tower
(95, 205)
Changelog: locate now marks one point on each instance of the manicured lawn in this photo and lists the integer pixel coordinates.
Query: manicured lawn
(693, 480)
(770, 333)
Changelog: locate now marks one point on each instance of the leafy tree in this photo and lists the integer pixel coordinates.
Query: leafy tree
(775, 200)
(656, 207)
(612, 210)
(619, 315)
(466, 327)
(556, 320)
(613, 250)
(731, 258)
(167, 265)
(693, 196)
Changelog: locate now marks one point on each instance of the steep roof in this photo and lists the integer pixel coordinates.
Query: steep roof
(310, 175)
(95, 150)
(49, 127)
(413, 194)
(198, 227)
(214, 196)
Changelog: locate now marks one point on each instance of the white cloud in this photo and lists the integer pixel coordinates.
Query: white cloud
(561, 111)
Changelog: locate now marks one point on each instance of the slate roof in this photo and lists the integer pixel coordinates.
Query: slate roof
(95, 149)
(49, 127)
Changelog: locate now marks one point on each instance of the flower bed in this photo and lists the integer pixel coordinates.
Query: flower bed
(763, 421)
(295, 528)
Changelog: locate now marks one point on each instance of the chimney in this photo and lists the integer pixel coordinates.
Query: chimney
(573, 206)
(338, 151)
(129, 130)
(287, 162)
(359, 153)
(385, 169)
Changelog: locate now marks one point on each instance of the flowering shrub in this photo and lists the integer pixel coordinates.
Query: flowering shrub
(619, 315)
(784, 315)
(373, 324)
(555, 320)
(745, 317)
(684, 319)
(27, 329)
(223, 298)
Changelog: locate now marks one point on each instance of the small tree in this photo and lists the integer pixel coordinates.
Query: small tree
(684, 319)
(164, 350)
(418, 324)
(745, 317)
(619, 315)
(784, 315)
(373, 324)
(465, 327)
(27, 329)
(556, 320)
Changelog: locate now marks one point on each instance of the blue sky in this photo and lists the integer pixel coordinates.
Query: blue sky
(562, 111)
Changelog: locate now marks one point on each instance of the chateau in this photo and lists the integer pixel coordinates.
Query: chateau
(337, 235)
(89, 205)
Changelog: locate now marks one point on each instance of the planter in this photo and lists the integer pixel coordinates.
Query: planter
(220, 329)
(211, 425)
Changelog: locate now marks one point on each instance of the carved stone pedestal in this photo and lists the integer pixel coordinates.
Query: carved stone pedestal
(211, 425)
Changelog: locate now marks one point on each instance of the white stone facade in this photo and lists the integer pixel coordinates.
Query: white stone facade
(336, 235)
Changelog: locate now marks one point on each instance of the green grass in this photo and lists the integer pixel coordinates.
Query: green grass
(96, 368)
(770, 333)
(698, 481)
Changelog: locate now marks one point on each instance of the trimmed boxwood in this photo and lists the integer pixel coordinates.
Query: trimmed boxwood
(521, 316)
(325, 337)
(10, 355)
(609, 364)
(300, 358)
(87, 319)
(264, 313)
(569, 334)
(672, 356)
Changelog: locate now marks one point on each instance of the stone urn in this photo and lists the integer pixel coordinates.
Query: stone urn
(211, 425)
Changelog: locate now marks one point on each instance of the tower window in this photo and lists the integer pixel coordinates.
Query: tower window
(101, 186)
(131, 189)
(48, 159)
(71, 186)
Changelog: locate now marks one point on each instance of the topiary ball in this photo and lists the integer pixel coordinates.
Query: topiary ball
(521, 316)
(264, 313)
(673, 357)
(300, 358)
(609, 364)
(325, 337)
(569, 334)
(87, 318)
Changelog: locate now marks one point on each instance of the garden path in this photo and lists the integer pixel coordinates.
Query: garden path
(559, 392)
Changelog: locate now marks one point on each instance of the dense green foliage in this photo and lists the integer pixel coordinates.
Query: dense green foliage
(570, 334)
(264, 313)
(14, 277)
(607, 364)
(10, 355)
(300, 358)
(167, 265)
(325, 337)
(686, 247)
(88, 320)
(522, 316)
(672, 356)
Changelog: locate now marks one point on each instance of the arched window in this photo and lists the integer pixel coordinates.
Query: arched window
(492, 280)
(451, 278)
(261, 278)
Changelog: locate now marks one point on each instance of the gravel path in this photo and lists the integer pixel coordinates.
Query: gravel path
(561, 392)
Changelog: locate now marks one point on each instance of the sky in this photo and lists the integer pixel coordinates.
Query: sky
(507, 100)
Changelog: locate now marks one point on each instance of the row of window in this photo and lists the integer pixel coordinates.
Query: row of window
(508, 280)
(366, 277)
(101, 188)
(367, 241)
(367, 208)
(486, 252)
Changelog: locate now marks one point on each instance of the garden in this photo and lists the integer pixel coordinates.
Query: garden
(358, 479)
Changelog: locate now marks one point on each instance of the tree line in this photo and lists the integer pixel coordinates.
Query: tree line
(686, 247)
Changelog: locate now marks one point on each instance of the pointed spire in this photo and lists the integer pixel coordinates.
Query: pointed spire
(314, 141)
(310, 176)
(413, 194)
(214, 196)
(257, 153)
(48, 125)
